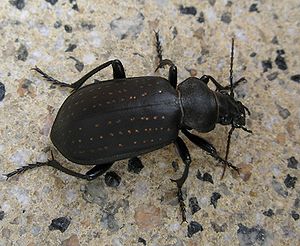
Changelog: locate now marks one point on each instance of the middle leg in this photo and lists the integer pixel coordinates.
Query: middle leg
(90, 175)
(185, 156)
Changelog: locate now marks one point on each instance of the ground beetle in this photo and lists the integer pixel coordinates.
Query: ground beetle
(122, 118)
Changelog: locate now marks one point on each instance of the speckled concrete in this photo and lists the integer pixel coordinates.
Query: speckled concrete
(69, 38)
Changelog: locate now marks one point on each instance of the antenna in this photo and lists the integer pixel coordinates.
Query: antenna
(227, 149)
(231, 69)
(232, 95)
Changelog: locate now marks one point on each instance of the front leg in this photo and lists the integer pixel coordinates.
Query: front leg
(208, 147)
(185, 156)
(219, 87)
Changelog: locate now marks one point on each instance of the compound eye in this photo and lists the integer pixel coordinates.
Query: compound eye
(205, 79)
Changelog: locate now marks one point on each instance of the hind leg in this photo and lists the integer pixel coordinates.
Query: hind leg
(185, 156)
(90, 175)
(163, 62)
(118, 73)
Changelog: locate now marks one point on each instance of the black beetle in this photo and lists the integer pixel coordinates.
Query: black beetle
(122, 118)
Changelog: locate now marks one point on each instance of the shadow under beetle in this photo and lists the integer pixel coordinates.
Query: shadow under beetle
(122, 118)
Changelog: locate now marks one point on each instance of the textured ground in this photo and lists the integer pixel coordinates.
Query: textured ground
(69, 38)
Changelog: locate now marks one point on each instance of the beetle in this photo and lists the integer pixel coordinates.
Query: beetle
(123, 118)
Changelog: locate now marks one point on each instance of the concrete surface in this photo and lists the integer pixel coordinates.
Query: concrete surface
(68, 38)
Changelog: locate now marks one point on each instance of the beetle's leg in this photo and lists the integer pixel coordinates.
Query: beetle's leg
(235, 84)
(185, 156)
(173, 76)
(206, 78)
(219, 87)
(208, 147)
(172, 71)
(158, 46)
(24, 169)
(164, 62)
(91, 174)
(98, 170)
(51, 79)
(118, 73)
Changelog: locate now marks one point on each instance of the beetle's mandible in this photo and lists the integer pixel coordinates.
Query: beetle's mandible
(122, 118)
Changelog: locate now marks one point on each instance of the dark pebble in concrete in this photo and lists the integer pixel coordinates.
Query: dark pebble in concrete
(201, 19)
(214, 199)
(52, 1)
(275, 40)
(1, 215)
(226, 17)
(268, 213)
(193, 228)
(74, 4)
(175, 166)
(212, 2)
(272, 76)
(57, 24)
(78, 65)
(205, 177)
(193, 204)
(295, 215)
(290, 181)
(297, 203)
(266, 64)
(296, 78)
(253, 8)
(71, 47)
(87, 26)
(219, 228)
(142, 240)
(280, 60)
(283, 112)
(2, 91)
(187, 10)
(251, 236)
(68, 28)
(22, 53)
(19, 4)
(61, 224)
(292, 161)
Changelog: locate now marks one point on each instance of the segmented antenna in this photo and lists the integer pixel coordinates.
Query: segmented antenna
(227, 149)
(231, 69)
(232, 95)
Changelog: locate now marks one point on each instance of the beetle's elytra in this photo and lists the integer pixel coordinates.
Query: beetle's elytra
(124, 117)
(117, 119)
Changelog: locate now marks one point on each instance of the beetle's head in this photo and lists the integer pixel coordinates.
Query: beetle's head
(232, 112)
